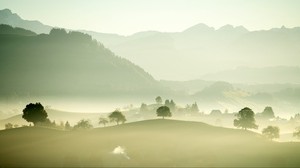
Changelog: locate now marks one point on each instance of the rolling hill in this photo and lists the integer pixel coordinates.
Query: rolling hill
(160, 143)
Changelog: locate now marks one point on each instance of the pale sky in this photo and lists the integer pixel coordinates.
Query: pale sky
(130, 16)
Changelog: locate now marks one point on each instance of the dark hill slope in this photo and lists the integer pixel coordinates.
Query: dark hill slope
(64, 63)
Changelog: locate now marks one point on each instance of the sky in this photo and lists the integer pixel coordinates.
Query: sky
(126, 17)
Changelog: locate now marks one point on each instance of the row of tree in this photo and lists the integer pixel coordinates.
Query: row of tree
(36, 114)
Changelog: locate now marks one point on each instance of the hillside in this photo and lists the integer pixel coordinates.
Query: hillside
(68, 64)
(160, 143)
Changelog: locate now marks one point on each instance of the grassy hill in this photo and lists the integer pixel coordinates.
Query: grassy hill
(152, 143)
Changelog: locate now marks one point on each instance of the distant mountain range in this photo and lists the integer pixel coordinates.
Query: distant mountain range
(201, 52)
(62, 63)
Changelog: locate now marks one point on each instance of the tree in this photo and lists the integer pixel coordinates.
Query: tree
(171, 104)
(194, 108)
(268, 113)
(158, 100)
(83, 124)
(35, 113)
(117, 117)
(297, 133)
(68, 126)
(215, 113)
(167, 102)
(103, 121)
(163, 111)
(144, 107)
(58, 32)
(245, 119)
(271, 132)
(8, 126)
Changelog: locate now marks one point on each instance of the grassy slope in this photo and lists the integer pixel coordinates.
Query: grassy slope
(147, 143)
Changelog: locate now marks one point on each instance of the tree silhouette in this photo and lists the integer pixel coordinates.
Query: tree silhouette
(117, 117)
(158, 100)
(8, 126)
(68, 126)
(171, 104)
(297, 133)
(271, 132)
(103, 121)
(194, 108)
(215, 113)
(245, 119)
(144, 107)
(163, 111)
(83, 124)
(268, 113)
(34, 113)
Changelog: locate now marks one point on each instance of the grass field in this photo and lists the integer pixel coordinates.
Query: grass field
(151, 143)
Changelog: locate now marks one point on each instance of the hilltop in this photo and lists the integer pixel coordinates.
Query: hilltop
(147, 143)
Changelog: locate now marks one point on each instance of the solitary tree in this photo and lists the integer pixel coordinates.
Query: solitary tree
(68, 126)
(117, 117)
(144, 107)
(158, 100)
(194, 108)
(83, 124)
(245, 119)
(268, 113)
(163, 111)
(297, 133)
(35, 113)
(103, 121)
(215, 113)
(8, 126)
(271, 132)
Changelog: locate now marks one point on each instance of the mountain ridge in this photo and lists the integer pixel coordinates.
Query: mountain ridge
(201, 50)
(72, 60)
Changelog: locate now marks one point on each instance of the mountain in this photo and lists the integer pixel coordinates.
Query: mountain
(201, 50)
(68, 64)
(13, 19)
(196, 51)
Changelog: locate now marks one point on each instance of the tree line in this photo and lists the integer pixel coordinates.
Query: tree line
(35, 113)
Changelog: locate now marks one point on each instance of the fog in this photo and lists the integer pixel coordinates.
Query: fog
(201, 97)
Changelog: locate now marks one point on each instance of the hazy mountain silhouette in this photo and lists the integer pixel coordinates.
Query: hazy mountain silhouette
(201, 49)
(62, 63)
(13, 19)
(198, 50)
